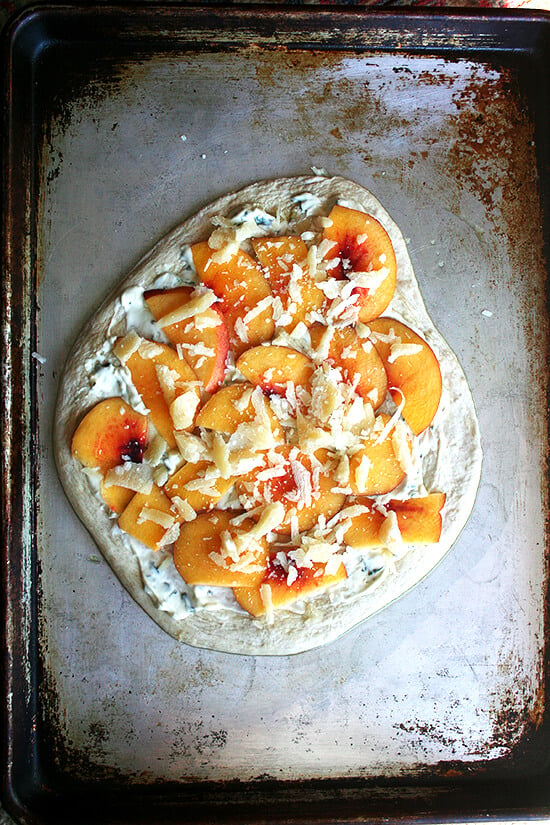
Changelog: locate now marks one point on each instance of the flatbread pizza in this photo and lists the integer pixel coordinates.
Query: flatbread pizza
(262, 429)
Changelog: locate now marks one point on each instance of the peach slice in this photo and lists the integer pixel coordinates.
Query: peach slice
(273, 367)
(412, 368)
(363, 245)
(288, 476)
(229, 407)
(365, 528)
(240, 284)
(419, 521)
(284, 259)
(356, 357)
(309, 581)
(149, 517)
(109, 434)
(190, 474)
(115, 496)
(203, 338)
(375, 468)
(208, 552)
(161, 377)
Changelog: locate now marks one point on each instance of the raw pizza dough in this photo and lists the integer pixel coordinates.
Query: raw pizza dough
(452, 466)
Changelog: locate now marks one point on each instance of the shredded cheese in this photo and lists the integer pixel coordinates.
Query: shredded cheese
(260, 307)
(362, 473)
(185, 511)
(389, 533)
(183, 409)
(155, 450)
(148, 349)
(267, 601)
(221, 455)
(137, 477)
(191, 447)
(393, 420)
(197, 349)
(400, 350)
(125, 347)
(167, 379)
(241, 330)
(201, 300)
(170, 536)
(155, 515)
(207, 321)
(402, 448)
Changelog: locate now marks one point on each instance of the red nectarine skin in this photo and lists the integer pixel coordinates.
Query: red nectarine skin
(109, 434)
(362, 244)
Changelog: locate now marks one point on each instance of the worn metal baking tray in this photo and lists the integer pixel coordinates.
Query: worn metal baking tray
(118, 122)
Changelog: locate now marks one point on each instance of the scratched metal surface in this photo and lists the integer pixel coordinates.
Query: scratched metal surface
(451, 675)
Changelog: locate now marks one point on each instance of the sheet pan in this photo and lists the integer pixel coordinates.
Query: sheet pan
(118, 122)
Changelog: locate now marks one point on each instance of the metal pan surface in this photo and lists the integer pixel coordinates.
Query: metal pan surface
(119, 122)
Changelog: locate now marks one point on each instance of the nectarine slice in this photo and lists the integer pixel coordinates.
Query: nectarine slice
(288, 476)
(274, 592)
(273, 367)
(109, 434)
(211, 551)
(412, 369)
(185, 482)
(419, 521)
(364, 529)
(375, 468)
(362, 245)
(202, 338)
(115, 496)
(161, 379)
(359, 360)
(240, 284)
(149, 518)
(284, 259)
(233, 405)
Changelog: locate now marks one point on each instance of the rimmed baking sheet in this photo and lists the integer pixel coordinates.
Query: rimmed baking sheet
(120, 122)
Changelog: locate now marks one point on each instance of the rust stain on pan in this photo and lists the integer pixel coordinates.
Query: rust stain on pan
(493, 156)
(493, 152)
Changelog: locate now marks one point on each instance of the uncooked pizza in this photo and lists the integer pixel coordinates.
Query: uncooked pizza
(261, 427)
